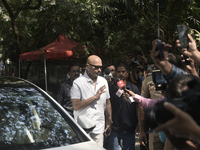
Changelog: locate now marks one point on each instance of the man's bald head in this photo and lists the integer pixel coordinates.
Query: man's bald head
(94, 60)
(93, 66)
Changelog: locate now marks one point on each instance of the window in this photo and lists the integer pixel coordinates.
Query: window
(28, 120)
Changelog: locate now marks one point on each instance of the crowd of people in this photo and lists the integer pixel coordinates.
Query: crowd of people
(97, 95)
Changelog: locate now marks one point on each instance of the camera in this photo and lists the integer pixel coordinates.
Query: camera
(135, 63)
(189, 103)
(159, 80)
(160, 49)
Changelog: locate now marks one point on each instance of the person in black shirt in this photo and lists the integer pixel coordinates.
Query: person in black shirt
(63, 96)
(124, 114)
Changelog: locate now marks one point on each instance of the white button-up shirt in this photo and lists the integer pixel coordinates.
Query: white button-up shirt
(83, 88)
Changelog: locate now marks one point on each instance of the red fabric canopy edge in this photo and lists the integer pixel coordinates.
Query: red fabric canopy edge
(61, 49)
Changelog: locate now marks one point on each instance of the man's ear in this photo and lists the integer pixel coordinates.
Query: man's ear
(87, 67)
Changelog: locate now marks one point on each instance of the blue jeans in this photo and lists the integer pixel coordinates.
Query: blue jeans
(127, 141)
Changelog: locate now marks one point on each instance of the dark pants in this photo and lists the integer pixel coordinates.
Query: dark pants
(117, 141)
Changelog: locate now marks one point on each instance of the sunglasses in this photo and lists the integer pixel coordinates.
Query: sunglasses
(96, 67)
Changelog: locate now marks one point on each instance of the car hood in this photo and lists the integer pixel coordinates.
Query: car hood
(90, 145)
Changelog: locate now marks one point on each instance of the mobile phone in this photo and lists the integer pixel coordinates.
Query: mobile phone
(159, 80)
(159, 48)
(135, 64)
(186, 61)
(182, 33)
(141, 53)
(107, 132)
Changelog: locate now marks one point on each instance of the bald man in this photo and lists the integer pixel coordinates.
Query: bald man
(90, 97)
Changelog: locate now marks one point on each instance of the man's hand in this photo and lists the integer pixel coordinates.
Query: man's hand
(100, 91)
(182, 125)
(155, 54)
(191, 67)
(109, 122)
(143, 58)
(137, 131)
(129, 93)
(108, 130)
(192, 50)
(178, 143)
(143, 138)
(162, 64)
(139, 67)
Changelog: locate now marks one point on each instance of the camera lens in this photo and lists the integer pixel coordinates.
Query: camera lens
(157, 115)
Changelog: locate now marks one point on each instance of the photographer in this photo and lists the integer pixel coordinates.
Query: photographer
(136, 70)
(108, 72)
(149, 91)
(182, 123)
(184, 87)
(192, 51)
(169, 70)
(148, 98)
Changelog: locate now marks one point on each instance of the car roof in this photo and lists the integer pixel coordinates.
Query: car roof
(12, 81)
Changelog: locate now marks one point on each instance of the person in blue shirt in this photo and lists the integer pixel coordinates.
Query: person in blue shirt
(169, 70)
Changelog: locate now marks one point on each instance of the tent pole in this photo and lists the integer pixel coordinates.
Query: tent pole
(19, 68)
(45, 73)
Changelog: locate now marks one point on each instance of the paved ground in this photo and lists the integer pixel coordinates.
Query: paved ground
(137, 144)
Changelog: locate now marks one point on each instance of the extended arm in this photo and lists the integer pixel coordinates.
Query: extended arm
(108, 118)
(144, 102)
(80, 104)
(141, 120)
(182, 125)
(192, 51)
(170, 71)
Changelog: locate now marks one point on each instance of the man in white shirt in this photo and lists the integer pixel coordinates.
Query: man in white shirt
(90, 96)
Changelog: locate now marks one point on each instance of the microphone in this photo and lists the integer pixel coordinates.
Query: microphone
(121, 84)
(122, 87)
(107, 74)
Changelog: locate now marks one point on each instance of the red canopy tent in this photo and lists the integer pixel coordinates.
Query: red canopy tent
(61, 49)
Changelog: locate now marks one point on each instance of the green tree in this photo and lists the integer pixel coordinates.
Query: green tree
(115, 27)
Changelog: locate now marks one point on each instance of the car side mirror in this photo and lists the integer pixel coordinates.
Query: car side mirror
(86, 123)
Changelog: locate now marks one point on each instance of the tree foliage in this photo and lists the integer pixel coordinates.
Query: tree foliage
(115, 27)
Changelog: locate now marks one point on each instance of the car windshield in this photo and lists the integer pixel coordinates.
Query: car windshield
(29, 121)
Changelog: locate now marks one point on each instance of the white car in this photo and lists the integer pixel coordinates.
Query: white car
(31, 119)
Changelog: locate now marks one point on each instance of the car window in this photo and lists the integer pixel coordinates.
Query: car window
(27, 119)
